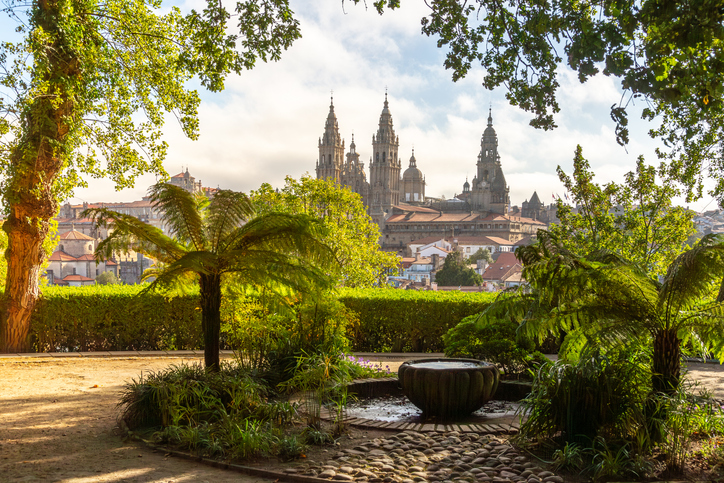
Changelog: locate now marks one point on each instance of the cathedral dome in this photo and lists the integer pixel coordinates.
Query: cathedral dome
(412, 173)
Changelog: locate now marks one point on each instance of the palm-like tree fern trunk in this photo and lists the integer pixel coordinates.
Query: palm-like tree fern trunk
(667, 362)
(211, 318)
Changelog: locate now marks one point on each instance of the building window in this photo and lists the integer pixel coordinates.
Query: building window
(74, 271)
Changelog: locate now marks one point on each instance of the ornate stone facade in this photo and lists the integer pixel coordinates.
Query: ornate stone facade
(489, 191)
(385, 188)
(398, 203)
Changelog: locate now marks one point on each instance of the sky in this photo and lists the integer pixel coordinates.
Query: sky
(266, 123)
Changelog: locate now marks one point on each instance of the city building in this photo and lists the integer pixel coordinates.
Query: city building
(73, 263)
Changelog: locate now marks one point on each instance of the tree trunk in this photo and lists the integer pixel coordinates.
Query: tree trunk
(35, 162)
(667, 362)
(211, 319)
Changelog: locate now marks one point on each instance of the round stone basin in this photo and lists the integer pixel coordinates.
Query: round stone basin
(448, 389)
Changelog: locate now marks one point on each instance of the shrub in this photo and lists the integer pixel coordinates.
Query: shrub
(108, 278)
(225, 413)
(269, 339)
(114, 317)
(407, 320)
(600, 395)
(494, 341)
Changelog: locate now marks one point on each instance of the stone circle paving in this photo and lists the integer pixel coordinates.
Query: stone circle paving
(412, 456)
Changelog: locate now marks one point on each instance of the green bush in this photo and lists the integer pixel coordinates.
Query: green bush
(114, 317)
(600, 395)
(268, 339)
(407, 320)
(494, 341)
(118, 317)
(225, 414)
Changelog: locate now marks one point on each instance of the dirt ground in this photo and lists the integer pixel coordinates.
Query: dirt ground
(58, 423)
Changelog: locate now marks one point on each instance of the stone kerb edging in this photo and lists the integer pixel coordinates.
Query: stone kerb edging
(248, 470)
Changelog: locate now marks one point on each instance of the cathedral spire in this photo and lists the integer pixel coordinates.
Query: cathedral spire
(490, 116)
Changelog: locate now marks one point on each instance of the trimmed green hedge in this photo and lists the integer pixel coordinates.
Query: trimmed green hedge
(114, 317)
(408, 320)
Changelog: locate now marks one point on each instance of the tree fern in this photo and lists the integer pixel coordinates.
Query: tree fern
(214, 239)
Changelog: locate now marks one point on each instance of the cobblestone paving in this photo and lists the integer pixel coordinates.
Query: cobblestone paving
(410, 457)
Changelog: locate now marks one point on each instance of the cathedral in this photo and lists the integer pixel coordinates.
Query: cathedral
(394, 200)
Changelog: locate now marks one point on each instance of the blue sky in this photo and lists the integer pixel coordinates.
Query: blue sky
(266, 124)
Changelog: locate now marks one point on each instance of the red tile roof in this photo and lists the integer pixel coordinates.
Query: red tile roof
(504, 263)
(61, 256)
(76, 278)
(74, 235)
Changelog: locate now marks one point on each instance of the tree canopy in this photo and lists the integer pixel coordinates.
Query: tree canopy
(635, 219)
(455, 271)
(350, 230)
(481, 254)
(666, 54)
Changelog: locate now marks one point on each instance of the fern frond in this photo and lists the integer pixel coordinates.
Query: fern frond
(691, 275)
(130, 233)
(227, 211)
(179, 212)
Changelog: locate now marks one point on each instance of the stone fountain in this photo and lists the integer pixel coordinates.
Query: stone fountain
(448, 389)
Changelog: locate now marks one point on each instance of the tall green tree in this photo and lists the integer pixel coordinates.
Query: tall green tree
(603, 299)
(213, 239)
(85, 93)
(455, 271)
(635, 219)
(350, 230)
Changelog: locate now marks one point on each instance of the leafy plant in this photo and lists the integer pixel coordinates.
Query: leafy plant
(323, 378)
(600, 395)
(606, 300)
(317, 436)
(290, 447)
(494, 340)
(568, 458)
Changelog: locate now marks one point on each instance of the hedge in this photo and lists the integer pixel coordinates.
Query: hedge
(408, 320)
(115, 317)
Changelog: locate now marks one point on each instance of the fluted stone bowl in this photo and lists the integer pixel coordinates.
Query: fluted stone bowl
(448, 389)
